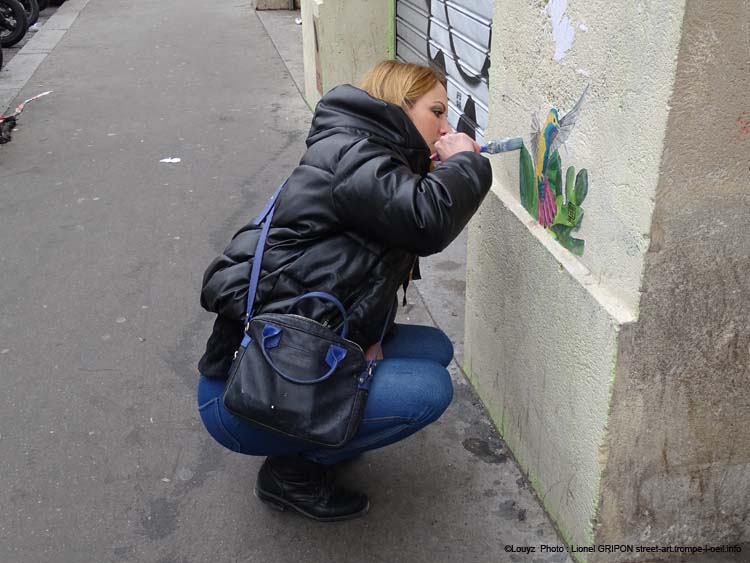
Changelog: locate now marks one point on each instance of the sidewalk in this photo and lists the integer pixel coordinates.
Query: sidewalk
(33, 47)
(102, 454)
(44, 15)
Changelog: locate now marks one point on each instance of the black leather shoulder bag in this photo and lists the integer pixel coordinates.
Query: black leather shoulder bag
(293, 375)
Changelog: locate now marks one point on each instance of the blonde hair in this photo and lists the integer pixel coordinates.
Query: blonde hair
(400, 83)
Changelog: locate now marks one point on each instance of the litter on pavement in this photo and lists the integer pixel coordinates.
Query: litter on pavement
(8, 122)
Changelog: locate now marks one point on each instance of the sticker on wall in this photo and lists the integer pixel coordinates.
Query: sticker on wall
(555, 201)
(562, 27)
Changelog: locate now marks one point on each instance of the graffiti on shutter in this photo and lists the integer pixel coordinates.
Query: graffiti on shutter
(454, 37)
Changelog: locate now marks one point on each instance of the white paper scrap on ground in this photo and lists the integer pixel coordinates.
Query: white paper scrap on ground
(172, 160)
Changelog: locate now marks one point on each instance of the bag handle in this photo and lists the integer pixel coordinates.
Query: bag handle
(270, 338)
(328, 297)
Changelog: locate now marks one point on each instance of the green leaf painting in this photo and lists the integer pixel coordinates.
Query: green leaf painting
(582, 186)
(529, 195)
(570, 182)
(554, 168)
(569, 211)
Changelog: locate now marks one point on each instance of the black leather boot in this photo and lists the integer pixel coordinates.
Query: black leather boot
(307, 487)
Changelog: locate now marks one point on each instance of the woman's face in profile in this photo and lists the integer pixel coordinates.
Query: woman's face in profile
(430, 115)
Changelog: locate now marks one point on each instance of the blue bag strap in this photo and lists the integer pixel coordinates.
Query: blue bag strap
(271, 202)
(258, 258)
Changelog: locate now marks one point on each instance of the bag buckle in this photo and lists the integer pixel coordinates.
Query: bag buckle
(364, 380)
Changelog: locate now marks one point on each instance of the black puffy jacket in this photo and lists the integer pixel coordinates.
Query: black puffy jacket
(351, 220)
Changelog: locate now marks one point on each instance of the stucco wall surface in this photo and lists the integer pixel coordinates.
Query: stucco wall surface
(540, 350)
(626, 51)
(543, 327)
(310, 14)
(678, 470)
(352, 37)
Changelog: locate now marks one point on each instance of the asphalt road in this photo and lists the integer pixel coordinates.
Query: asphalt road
(103, 251)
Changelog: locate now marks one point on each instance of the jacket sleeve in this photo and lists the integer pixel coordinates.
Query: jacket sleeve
(376, 194)
(226, 280)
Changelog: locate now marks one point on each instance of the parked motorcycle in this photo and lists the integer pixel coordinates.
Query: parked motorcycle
(13, 22)
(31, 8)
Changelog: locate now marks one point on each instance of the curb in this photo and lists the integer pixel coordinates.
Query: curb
(22, 67)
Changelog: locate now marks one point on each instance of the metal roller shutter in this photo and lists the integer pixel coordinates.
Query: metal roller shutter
(454, 36)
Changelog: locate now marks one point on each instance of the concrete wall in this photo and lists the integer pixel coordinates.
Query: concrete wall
(678, 468)
(620, 379)
(341, 40)
(547, 365)
(540, 347)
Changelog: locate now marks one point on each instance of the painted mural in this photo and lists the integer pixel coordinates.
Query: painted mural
(554, 201)
(454, 37)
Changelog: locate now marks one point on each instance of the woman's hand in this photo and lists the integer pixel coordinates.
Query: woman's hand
(453, 143)
(374, 352)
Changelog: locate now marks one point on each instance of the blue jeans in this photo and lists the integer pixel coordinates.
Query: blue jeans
(410, 389)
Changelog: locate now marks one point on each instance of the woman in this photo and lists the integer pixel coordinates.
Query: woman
(351, 220)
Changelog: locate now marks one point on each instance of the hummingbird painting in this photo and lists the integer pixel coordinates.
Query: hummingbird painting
(545, 139)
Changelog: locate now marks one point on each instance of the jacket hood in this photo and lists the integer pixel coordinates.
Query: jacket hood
(346, 108)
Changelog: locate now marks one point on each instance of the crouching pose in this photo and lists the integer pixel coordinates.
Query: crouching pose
(363, 204)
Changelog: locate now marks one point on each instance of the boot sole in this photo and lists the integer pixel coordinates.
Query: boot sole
(281, 505)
